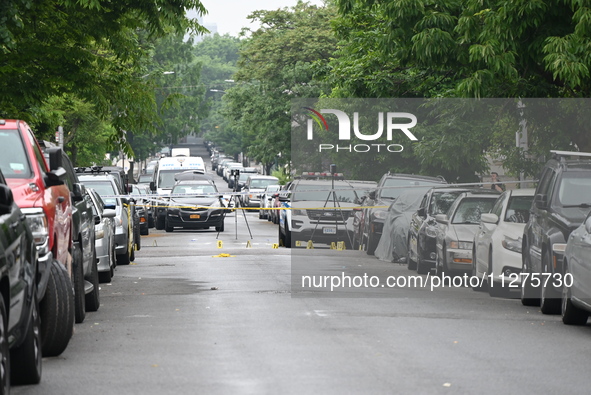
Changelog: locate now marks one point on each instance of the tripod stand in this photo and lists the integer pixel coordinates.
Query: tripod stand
(237, 204)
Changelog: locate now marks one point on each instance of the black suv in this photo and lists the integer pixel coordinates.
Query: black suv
(86, 282)
(562, 201)
(20, 337)
(368, 228)
(422, 234)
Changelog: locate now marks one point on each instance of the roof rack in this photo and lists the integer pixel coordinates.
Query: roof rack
(321, 175)
(561, 155)
(91, 170)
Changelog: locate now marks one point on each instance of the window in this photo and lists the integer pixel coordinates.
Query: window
(470, 209)
(13, 157)
(518, 209)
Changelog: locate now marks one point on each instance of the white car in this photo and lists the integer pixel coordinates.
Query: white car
(267, 200)
(497, 243)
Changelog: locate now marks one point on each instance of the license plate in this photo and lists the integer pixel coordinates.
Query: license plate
(329, 231)
(194, 216)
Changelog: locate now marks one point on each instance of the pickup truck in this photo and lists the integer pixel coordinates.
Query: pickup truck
(44, 199)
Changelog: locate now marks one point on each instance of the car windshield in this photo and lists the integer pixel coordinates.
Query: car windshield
(199, 189)
(518, 209)
(575, 189)
(166, 178)
(262, 183)
(442, 201)
(103, 188)
(470, 209)
(145, 178)
(393, 187)
(13, 157)
(322, 193)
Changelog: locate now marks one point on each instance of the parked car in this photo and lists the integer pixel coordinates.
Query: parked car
(143, 207)
(455, 233)
(86, 288)
(145, 179)
(576, 278)
(242, 178)
(371, 221)
(44, 199)
(422, 234)
(314, 213)
(561, 203)
(125, 240)
(254, 187)
(266, 200)
(226, 174)
(201, 208)
(498, 241)
(393, 245)
(20, 332)
(104, 229)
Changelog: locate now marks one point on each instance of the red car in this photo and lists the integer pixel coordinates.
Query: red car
(45, 200)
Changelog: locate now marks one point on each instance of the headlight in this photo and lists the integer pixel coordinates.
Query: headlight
(511, 244)
(37, 222)
(431, 230)
(461, 245)
(380, 214)
(298, 212)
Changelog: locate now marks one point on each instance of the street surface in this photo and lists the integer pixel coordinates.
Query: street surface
(180, 320)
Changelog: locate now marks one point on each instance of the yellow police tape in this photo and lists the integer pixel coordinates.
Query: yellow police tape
(267, 208)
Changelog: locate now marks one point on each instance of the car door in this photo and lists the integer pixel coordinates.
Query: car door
(539, 221)
(484, 234)
(580, 260)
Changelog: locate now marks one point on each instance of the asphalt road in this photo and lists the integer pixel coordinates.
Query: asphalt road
(180, 320)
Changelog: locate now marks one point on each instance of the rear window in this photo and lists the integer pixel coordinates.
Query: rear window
(312, 192)
(574, 189)
(442, 201)
(103, 188)
(261, 183)
(13, 156)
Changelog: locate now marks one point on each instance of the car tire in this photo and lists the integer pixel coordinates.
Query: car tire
(144, 231)
(124, 259)
(372, 243)
(571, 314)
(26, 360)
(4, 350)
(167, 227)
(160, 222)
(92, 298)
(410, 263)
(56, 311)
(287, 237)
(529, 293)
(261, 214)
(80, 300)
(281, 240)
(549, 301)
(137, 237)
(220, 228)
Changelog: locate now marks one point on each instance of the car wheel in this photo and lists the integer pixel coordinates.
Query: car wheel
(80, 305)
(529, 293)
(281, 238)
(167, 227)
(496, 291)
(480, 287)
(93, 298)
(144, 231)
(220, 228)
(124, 259)
(137, 237)
(549, 301)
(261, 214)
(160, 222)
(571, 314)
(57, 312)
(4, 350)
(372, 243)
(26, 360)
(410, 263)
(287, 237)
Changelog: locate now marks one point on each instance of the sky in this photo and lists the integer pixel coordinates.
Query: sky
(230, 16)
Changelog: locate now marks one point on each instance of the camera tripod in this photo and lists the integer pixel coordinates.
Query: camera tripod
(237, 204)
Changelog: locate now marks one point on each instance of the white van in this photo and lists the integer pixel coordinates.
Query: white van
(163, 180)
(180, 152)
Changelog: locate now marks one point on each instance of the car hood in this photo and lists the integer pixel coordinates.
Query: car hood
(463, 232)
(318, 205)
(195, 201)
(571, 217)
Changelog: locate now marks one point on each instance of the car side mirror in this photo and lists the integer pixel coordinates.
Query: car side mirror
(152, 186)
(129, 188)
(6, 199)
(55, 157)
(109, 212)
(97, 220)
(372, 195)
(79, 190)
(422, 212)
(541, 201)
(55, 177)
(442, 218)
(489, 218)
